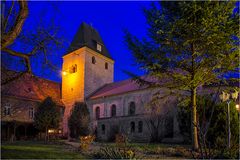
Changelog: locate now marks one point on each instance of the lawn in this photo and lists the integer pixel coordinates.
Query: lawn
(38, 150)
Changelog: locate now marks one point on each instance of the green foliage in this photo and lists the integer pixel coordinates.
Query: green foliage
(190, 44)
(78, 122)
(47, 115)
(217, 131)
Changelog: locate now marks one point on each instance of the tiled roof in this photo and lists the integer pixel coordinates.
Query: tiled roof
(89, 37)
(33, 88)
(116, 88)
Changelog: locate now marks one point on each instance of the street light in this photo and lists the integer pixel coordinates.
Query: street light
(228, 97)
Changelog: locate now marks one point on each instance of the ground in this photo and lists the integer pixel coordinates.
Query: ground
(38, 150)
(70, 150)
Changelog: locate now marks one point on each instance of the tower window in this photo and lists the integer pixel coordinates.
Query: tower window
(99, 47)
(93, 60)
(106, 65)
(73, 69)
(31, 113)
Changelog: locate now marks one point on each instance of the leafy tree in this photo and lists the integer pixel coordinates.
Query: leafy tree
(78, 122)
(213, 124)
(47, 116)
(190, 44)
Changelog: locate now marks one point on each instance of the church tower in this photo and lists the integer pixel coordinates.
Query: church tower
(86, 67)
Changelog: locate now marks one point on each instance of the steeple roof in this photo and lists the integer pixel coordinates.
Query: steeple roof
(87, 36)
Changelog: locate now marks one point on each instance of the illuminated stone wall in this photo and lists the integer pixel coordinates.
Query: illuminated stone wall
(87, 78)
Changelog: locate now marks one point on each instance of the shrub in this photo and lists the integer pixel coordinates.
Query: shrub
(85, 142)
(116, 153)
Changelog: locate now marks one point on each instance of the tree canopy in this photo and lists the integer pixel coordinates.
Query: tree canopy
(189, 44)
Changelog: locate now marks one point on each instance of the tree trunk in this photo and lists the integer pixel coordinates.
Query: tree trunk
(194, 119)
(46, 134)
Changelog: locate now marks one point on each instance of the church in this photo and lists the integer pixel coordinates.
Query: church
(87, 76)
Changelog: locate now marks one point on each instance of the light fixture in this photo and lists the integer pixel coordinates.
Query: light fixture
(64, 73)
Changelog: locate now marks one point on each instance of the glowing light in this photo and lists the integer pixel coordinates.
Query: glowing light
(237, 106)
(64, 73)
(50, 131)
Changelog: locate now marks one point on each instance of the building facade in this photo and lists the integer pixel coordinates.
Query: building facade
(115, 107)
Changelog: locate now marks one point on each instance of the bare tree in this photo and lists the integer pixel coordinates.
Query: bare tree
(34, 43)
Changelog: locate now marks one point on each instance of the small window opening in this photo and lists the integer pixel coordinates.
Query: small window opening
(73, 69)
(31, 113)
(99, 47)
(93, 60)
(140, 127)
(106, 65)
(103, 129)
(132, 124)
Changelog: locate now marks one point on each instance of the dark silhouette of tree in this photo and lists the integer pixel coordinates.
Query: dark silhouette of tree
(78, 122)
(47, 116)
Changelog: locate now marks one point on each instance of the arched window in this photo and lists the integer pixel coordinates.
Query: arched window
(113, 110)
(93, 60)
(103, 128)
(106, 65)
(140, 127)
(97, 112)
(132, 108)
(7, 110)
(132, 125)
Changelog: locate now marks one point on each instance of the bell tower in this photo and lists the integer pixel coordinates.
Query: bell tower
(86, 67)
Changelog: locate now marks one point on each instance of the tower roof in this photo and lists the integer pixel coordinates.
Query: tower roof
(87, 36)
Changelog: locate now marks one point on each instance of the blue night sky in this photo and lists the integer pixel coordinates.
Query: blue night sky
(109, 18)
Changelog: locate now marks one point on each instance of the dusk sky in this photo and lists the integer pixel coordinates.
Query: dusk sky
(109, 18)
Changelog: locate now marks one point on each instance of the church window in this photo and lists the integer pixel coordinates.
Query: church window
(97, 112)
(132, 108)
(132, 125)
(140, 127)
(106, 65)
(103, 129)
(113, 110)
(93, 60)
(7, 110)
(73, 69)
(99, 47)
(31, 113)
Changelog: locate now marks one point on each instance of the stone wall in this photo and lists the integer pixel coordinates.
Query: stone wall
(143, 111)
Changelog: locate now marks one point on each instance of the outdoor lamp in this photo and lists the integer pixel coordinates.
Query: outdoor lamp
(226, 97)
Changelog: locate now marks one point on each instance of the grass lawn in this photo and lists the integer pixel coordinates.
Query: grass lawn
(38, 150)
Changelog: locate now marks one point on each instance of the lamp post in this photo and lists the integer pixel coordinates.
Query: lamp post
(226, 97)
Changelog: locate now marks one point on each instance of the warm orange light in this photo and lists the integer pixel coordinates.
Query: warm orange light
(64, 73)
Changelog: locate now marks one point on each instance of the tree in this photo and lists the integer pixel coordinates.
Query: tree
(47, 116)
(190, 44)
(213, 126)
(78, 122)
(39, 42)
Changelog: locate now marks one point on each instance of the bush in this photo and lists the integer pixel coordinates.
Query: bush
(85, 142)
(115, 153)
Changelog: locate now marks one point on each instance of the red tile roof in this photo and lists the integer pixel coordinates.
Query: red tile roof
(116, 88)
(33, 88)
